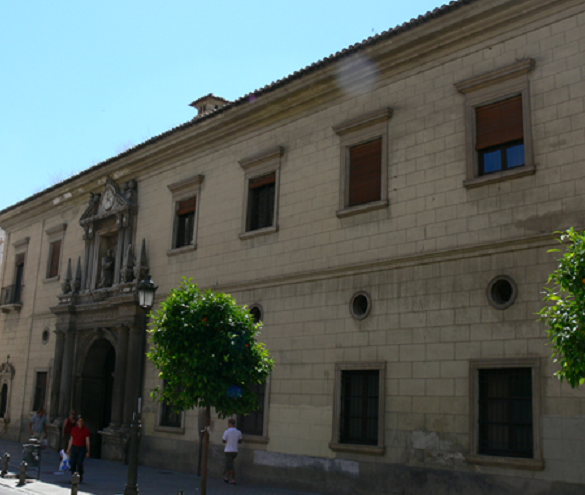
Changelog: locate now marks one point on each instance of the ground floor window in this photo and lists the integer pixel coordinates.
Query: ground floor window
(40, 391)
(253, 423)
(358, 422)
(505, 413)
(169, 416)
(505, 423)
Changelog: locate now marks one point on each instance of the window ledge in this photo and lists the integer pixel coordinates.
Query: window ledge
(259, 232)
(6, 308)
(506, 462)
(170, 429)
(357, 449)
(255, 439)
(51, 279)
(185, 249)
(500, 176)
(356, 210)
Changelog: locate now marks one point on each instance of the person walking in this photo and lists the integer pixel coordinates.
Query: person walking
(231, 437)
(38, 426)
(78, 448)
(68, 425)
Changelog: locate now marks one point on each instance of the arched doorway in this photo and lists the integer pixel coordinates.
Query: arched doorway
(97, 385)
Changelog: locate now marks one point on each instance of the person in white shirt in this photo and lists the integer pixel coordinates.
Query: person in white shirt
(231, 437)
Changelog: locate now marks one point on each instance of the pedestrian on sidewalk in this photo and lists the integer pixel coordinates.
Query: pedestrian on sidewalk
(78, 447)
(38, 426)
(231, 437)
(68, 425)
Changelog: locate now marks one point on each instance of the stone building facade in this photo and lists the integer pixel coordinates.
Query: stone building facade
(386, 212)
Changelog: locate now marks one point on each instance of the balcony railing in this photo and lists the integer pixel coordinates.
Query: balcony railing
(11, 295)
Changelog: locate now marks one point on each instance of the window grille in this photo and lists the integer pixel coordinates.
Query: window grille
(359, 407)
(505, 412)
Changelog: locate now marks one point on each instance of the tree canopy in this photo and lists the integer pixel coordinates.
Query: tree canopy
(204, 345)
(565, 313)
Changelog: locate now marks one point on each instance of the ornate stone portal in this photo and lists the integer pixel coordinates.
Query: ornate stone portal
(100, 326)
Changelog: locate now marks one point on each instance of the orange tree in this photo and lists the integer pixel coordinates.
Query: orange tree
(204, 345)
(565, 313)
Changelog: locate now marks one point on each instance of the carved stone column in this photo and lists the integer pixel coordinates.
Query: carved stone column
(120, 378)
(57, 372)
(133, 373)
(66, 386)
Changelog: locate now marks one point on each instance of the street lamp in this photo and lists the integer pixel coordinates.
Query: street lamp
(146, 291)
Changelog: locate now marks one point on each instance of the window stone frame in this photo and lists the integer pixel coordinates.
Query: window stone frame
(185, 189)
(54, 234)
(335, 445)
(490, 88)
(355, 131)
(45, 406)
(537, 462)
(263, 163)
(20, 247)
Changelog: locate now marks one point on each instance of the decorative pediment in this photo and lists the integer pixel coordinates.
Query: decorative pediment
(111, 201)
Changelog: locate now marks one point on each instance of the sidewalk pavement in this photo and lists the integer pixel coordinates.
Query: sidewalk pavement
(109, 478)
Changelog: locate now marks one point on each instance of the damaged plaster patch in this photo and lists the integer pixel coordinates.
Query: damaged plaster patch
(67, 195)
(274, 459)
(424, 440)
(56, 201)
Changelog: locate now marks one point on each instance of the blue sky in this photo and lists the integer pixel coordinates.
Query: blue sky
(82, 81)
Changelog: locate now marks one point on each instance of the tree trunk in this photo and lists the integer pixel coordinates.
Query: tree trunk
(205, 450)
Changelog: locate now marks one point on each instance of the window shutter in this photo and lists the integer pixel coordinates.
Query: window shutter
(55, 255)
(499, 123)
(365, 173)
(20, 259)
(263, 181)
(187, 206)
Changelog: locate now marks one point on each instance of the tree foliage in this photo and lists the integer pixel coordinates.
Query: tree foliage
(205, 347)
(565, 313)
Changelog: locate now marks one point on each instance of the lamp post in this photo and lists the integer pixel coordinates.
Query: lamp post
(146, 291)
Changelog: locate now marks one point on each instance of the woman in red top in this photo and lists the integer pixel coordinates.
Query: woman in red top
(79, 447)
(68, 425)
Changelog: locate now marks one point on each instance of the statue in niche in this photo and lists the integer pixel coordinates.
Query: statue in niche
(107, 271)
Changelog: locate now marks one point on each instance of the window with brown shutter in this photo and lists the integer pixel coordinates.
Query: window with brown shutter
(261, 198)
(365, 173)
(185, 218)
(54, 257)
(499, 139)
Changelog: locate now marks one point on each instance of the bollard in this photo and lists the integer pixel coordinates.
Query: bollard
(5, 462)
(75, 480)
(22, 475)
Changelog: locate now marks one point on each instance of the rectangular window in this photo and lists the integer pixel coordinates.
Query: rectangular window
(185, 222)
(168, 415)
(16, 296)
(40, 389)
(358, 422)
(253, 423)
(500, 136)
(365, 173)
(261, 202)
(54, 259)
(505, 423)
